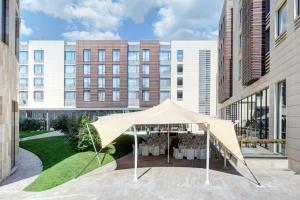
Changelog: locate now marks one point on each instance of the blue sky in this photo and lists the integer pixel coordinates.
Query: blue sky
(119, 19)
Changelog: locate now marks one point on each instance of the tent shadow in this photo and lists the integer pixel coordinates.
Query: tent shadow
(127, 162)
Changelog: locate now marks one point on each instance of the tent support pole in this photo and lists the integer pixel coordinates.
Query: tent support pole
(168, 143)
(258, 183)
(88, 128)
(207, 153)
(135, 155)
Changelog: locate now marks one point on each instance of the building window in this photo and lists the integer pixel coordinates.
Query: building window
(38, 81)
(23, 70)
(23, 82)
(179, 81)
(179, 95)
(164, 95)
(133, 83)
(165, 83)
(179, 68)
(86, 55)
(70, 96)
(116, 95)
(4, 23)
(116, 82)
(133, 55)
(281, 115)
(267, 6)
(179, 55)
(23, 56)
(116, 69)
(101, 95)
(86, 95)
(101, 55)
(146, 55)
(165, 56)
(281, 19)
(240, 69)
(101, 69)
(86, 69)
(38, 95)
(101, 82)
(267, 41)
(146, 96)
(38, 55)
(133, 69)
(241, 42)
(70, 82)
(86, 82)
(146, 69)
(70, 69)
(70, 56)
(116, 55)
(23, 97)
(165, 69)
(297, 8)
(38, 69)
(146, 82)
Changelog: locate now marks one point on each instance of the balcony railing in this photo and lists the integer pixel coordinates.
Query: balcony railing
(70, 103)
(23, 87)
(70, 87)
(133, 103)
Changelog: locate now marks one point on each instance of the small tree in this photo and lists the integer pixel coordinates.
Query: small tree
(81, 139)
(29, 124)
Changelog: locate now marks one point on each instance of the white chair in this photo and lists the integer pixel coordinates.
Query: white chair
(198, 153)
(190, 154)
(162, 151)
(155, 151)
(178, 154)
(145, 150)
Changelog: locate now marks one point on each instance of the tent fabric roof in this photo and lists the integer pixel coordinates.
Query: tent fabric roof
(112, 126)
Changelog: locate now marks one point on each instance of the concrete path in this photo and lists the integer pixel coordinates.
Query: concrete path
(44, 135)
(172, 183)
(29, 166)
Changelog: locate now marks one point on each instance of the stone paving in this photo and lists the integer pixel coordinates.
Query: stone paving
(172, 183)
(44, 135)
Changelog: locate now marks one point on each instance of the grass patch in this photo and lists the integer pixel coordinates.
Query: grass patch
(61, 163)
(24, 134)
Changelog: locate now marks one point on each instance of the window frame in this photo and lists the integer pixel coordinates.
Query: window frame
(116, 59)
(35, 54)
(279, 26)
(88, 58)
(103, 55)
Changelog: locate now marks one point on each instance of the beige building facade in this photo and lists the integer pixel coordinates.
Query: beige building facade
(269, 105)
(9, 137)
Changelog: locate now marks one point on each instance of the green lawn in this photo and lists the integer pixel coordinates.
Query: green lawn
(24, 134)
(61, 163)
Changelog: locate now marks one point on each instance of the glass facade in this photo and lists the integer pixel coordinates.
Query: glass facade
(70, 96)
(70, 82)
(165, 56)
(23, 70)
(70, 69)
(164, 95)
(146, 82)
(133, 55)
(70, 56)
(251, 116)
(281, 116)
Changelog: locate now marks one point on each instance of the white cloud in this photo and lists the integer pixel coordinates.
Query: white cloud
(85, 35)
(24, 29)
(189, 19)
(177, 19)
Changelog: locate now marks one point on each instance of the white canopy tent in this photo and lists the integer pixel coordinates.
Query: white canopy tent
(168, 113)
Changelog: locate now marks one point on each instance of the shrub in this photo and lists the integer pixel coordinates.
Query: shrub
(66, 124)
(29, 124)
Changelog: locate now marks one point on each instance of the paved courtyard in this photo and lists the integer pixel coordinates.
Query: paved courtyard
(170, 183)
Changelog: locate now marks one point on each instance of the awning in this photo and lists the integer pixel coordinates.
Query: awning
(112, 126)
